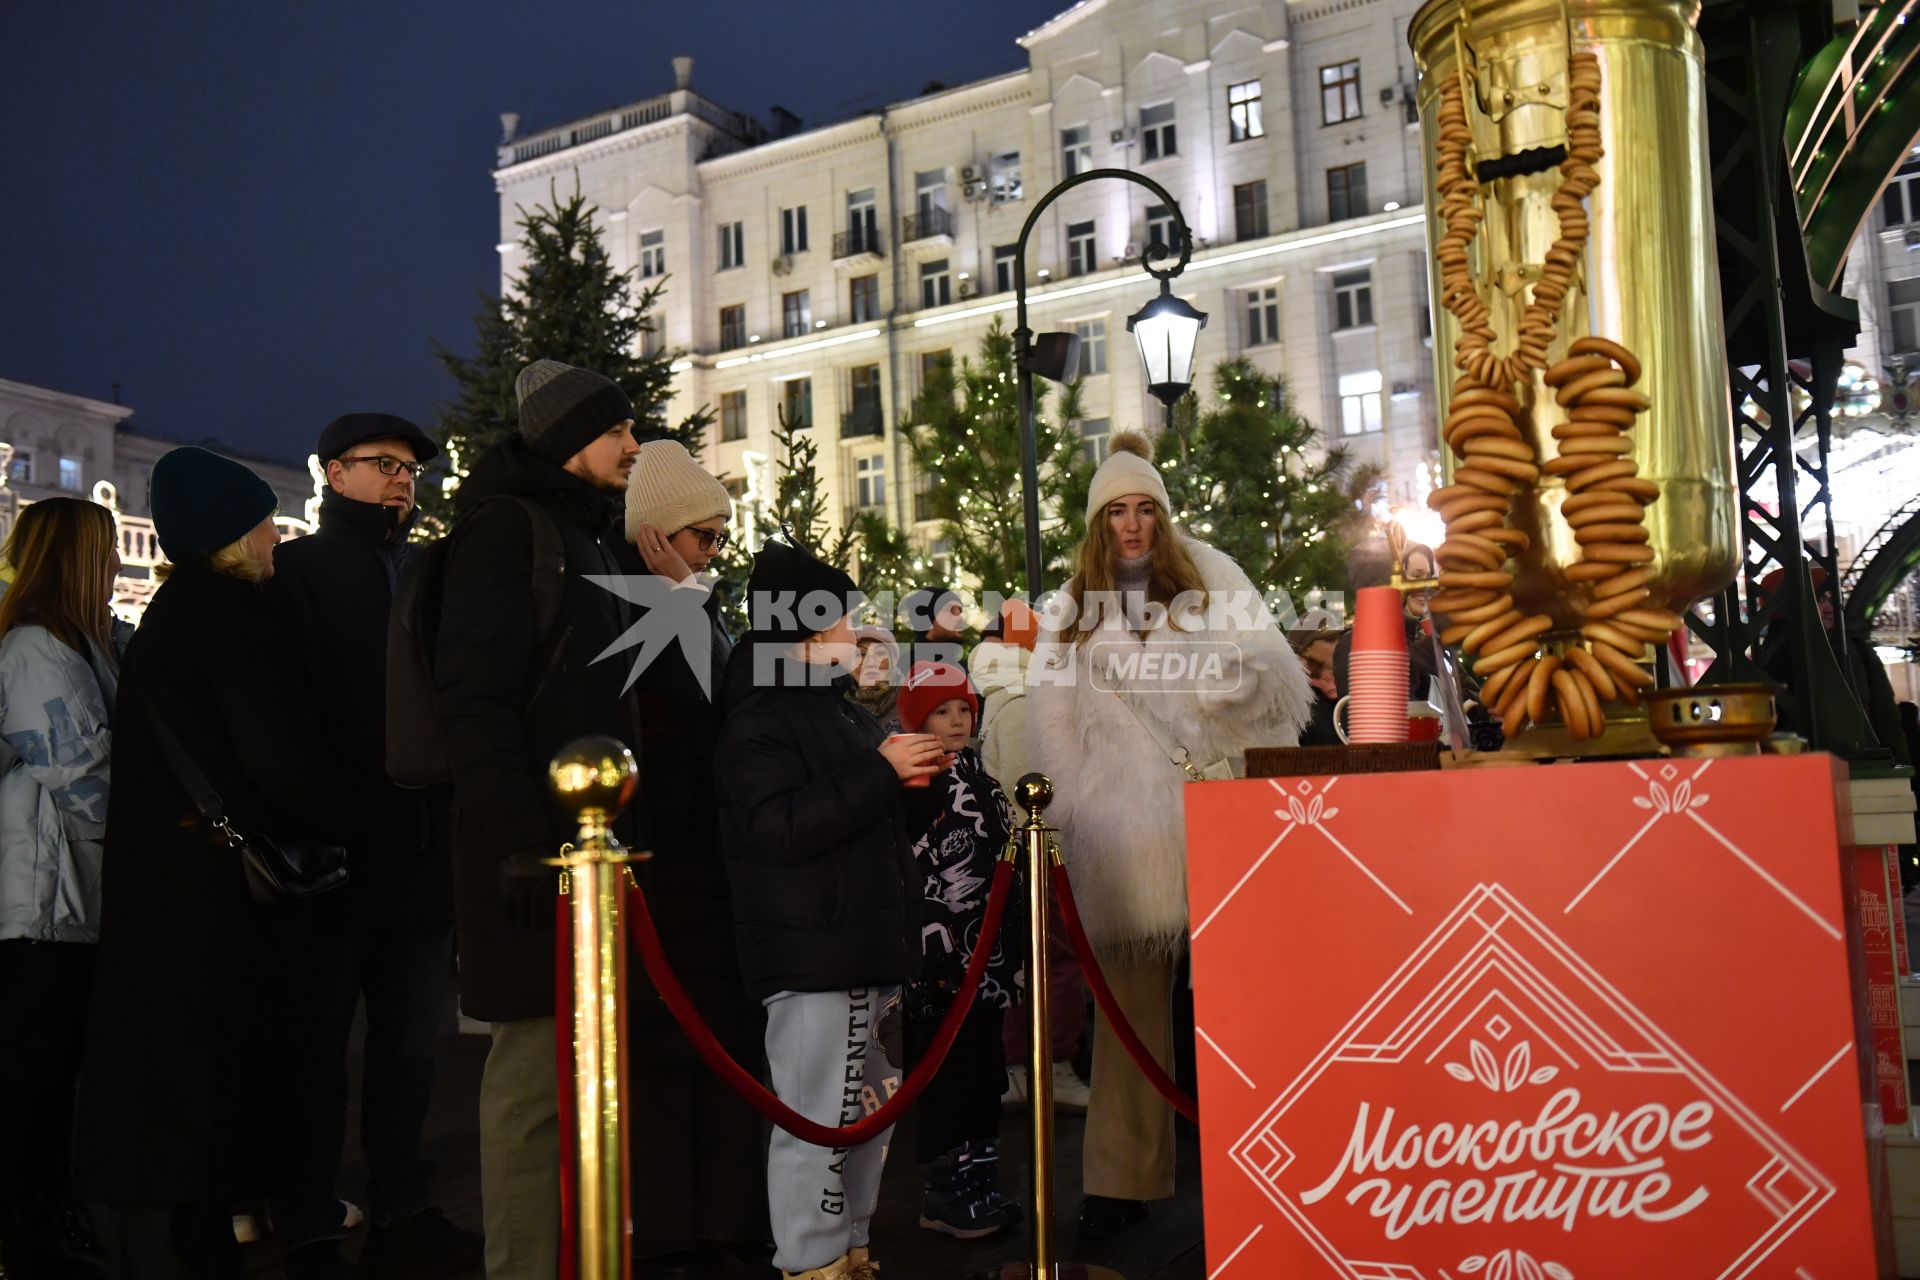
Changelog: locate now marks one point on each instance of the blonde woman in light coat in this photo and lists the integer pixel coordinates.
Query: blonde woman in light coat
(1106, 725)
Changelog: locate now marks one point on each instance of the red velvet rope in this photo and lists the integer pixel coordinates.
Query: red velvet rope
(647, 940)
(1103, 994)
(564, 1072)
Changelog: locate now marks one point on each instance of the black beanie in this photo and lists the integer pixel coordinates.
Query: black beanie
(564, 409)
(791, 595)
(202, 502)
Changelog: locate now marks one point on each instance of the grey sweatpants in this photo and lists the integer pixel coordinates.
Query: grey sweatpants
(833, 1056)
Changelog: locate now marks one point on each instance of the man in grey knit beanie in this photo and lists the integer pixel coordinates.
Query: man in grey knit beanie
(572, 416)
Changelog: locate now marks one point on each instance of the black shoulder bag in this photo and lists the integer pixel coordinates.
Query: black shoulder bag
(277, 870)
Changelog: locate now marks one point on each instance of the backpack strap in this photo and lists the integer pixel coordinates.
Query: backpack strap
(548, 581)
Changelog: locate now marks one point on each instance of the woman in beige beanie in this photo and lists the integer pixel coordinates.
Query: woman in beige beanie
(700, 1202)
(1109, 742)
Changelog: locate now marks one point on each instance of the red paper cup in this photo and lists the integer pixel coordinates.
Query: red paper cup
(924, 781)
(1377, 625)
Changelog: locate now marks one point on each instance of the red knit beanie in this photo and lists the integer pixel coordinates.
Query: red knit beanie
(927, 686)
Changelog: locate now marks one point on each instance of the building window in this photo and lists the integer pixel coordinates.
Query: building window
(1340, 92)
(930, 191)
(1003, 256)
(936, 283)
(923, 508)
(1076, 150)
(1094, 433)
(1903, 313)
(1360, 402)
(650, 340)
(863, 230)
(1901, 202)
(1004, 177)
(733, 244)
(863, 298)
(733, 415)
(1352, 299)
(1263, 315)
(1093, 346)
(871, 472)
(70, 475)
(733, 327)
(793, 230)
(1243, 112)
(863, 399)
(1157, 140)
(1080, 248)
(653, 254)
(1346, 191)
(930, 362)
(796, 403)
(20, 468)
(796, 313)
(1250, 211)
(1160, 226)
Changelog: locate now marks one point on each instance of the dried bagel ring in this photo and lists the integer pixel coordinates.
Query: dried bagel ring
(1662, 620)
(1618, 397)
(1569, 463)
(1446, 602)
(1573, 708)
(1479, 613)
(1593, 344)
(1486, 396)
(1479, 501)
(1596, 721)
(1498, 579)
(1574, 390)
(1622, 533)
(1614, 445)
(1487, 664)
(1496, 685)
(1622, 512)
(1602, 609)
(1538, 685)
(1576, 502)
(1515, 538)
(1622, 468)
(1524, 629)
(1584, 412)
(1457, 553)
(1475, 520)
(1634, 486)
(1512, 468)
(1591, 571)
(1631, 580)
(1607, 633)
(1474, 428)
(1576, 430)
(1617, 552)
(1516, 450)
(1597, 675)
(1476, 639)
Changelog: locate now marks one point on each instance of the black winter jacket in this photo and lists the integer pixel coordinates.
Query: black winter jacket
(178, 1083)
(507, 701)
(336, 588)
(825, 893)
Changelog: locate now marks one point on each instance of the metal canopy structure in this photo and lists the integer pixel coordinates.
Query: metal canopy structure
(1805, 127)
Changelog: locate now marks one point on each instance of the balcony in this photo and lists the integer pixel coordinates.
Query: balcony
(933, 226)
(863, 419)
(856, 243)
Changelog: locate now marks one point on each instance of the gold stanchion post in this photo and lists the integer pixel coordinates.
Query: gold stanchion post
(1034, 793)
(595, 778)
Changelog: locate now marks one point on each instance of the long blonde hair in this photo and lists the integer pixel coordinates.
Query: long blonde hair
(238, 560)
(1171, 571)
(62, 551)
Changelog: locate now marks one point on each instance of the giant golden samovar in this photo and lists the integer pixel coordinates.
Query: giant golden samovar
(1645, 278)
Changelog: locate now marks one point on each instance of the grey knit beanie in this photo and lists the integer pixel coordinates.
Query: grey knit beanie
(564, 409)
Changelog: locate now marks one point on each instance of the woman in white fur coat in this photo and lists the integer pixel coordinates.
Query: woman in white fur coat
(1212, 675)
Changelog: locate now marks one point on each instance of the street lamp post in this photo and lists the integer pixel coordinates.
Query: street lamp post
(1166, 329)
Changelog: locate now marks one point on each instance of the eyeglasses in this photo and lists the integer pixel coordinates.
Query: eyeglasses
(710, 540)
(388, 466)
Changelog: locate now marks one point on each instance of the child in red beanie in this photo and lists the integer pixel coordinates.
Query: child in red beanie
(960, 826)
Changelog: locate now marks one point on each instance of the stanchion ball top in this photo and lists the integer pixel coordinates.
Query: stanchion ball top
(1033, 792)
(593, 773)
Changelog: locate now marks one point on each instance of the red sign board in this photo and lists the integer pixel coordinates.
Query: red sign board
(1875, 912)
(1552, 1023)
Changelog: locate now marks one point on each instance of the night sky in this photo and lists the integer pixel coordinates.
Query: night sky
(256, 216)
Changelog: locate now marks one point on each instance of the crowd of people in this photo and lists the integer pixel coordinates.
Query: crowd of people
(824, 807)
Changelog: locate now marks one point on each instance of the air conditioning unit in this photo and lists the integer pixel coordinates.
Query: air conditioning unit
(971, 191)
(783, 264)
(966, 290)
(968, 173)
(1911, 237)
(1122, 137)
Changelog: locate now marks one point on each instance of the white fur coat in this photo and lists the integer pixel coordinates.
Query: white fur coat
(1117, 794)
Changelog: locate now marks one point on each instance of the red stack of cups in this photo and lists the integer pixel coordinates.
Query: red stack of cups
(1377, 669)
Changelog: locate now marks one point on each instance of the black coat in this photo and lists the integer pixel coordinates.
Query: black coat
(336, 589)
(825, 892)
(507, 701)
(177, 1078)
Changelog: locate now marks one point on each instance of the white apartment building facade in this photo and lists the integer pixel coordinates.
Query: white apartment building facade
(821, 272)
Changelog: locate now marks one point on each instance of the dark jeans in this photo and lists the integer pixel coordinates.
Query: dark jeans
(43, 1006)
(962, 1101)
(325, 970)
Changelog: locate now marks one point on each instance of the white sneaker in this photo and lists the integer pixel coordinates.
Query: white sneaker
(1069, 1090)
(1016, 1095)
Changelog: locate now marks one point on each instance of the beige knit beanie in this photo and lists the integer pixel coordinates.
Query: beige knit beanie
(1128, 469)
(670, 491)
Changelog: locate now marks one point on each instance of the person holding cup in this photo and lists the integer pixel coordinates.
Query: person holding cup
(826, 896)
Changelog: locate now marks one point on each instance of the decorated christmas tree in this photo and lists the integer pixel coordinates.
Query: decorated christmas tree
(965, 436)
(567, 303)
(1246, 474)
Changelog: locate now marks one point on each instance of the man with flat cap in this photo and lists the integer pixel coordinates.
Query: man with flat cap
(389, 938)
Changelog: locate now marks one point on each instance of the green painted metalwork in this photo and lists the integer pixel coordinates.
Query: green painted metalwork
(1854, 112)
